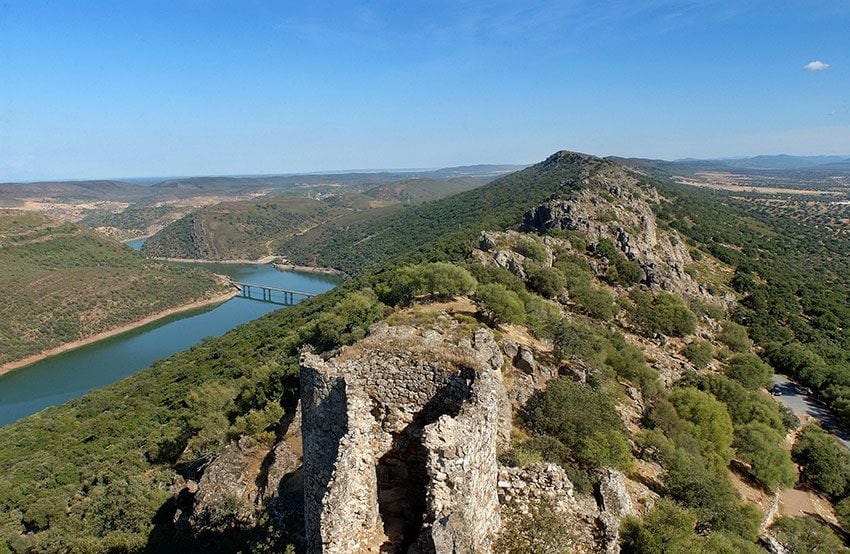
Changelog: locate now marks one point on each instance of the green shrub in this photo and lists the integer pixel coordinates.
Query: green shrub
(531, 248)
(671, 529)
(706, 419)
(744, 405)
(485, 274)
(707, 490)
(620, 269)
(628, 363)
(439, 280)
(546, 281)
(699, 352)
(585, 421)
(749, 370)
(802, 535)
(762, 447)
(734, 336)
(574, 340)
(542, 317)
(500, 304)
(596, 302)
(824, 464)
(662, 313)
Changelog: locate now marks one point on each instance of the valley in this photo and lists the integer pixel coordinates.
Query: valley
(623, 338)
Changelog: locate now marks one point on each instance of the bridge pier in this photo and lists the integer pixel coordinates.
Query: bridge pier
(246, 291)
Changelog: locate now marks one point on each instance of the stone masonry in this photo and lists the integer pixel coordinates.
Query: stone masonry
(399, 437)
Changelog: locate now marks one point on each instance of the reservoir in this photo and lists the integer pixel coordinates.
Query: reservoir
(72, 374)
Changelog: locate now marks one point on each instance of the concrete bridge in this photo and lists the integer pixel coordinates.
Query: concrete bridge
(284, 297)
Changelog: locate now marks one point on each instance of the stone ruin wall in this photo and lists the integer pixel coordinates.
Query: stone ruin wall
(399, 448)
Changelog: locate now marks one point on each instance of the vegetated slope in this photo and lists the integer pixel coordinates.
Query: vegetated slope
(415, 191)
(114, 449)
(238, 230)
(122, 469)
(60, 283)
(255, 228)
(453, 219)
(74, 190)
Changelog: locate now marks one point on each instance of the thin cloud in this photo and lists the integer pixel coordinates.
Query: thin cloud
(816, 65)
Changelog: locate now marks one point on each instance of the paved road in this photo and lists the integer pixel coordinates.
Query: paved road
(805, 406)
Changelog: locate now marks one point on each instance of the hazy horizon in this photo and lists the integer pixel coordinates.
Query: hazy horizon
(197, 88)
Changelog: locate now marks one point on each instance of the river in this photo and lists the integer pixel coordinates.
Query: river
(72, 374)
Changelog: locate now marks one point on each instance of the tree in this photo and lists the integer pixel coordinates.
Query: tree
(531, 248)
(699, 352)
(749, 370)
(585, 421)
(734, 336)
(824, 464)
(805, 535)
(501, 305)
(708, 420)
(663, 313)
(547, 281)
(762, 448)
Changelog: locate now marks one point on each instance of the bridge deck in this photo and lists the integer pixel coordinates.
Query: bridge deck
(277, 289)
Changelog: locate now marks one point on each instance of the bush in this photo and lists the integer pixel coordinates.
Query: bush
(699, 352)
(585, 421)
(628, 363)
(824, 464)
(485, 274)
(663, 313)
(801, 535)
(734, 336)
(744, 405)
(546, 281)
(500, 304)
(707, 491)
(707, 420)
(573, 340)
(762, 447)
(670, 528)
(532, 249)
(596, 302)
(541, 316)
(749, 370)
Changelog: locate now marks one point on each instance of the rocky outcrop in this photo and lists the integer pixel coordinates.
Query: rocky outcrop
(227, 492)
(400, 443)
(614, 503)
(612, 204)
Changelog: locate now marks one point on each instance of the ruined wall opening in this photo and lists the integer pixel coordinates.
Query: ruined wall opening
(401, 472)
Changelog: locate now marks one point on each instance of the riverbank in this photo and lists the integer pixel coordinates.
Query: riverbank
(260, 261)
(44, 354)
(286, 266)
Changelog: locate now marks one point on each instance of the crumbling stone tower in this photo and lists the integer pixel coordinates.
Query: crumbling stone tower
(399, 436)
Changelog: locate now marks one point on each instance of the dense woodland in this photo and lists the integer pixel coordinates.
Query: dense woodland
(93, 475)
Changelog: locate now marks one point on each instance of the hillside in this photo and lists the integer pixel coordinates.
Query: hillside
(61, 283)
(253, 229)
(454, 219)
(416, 191)
(238, 230)
(552, 355)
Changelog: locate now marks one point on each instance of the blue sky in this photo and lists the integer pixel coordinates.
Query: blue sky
(187, 87)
